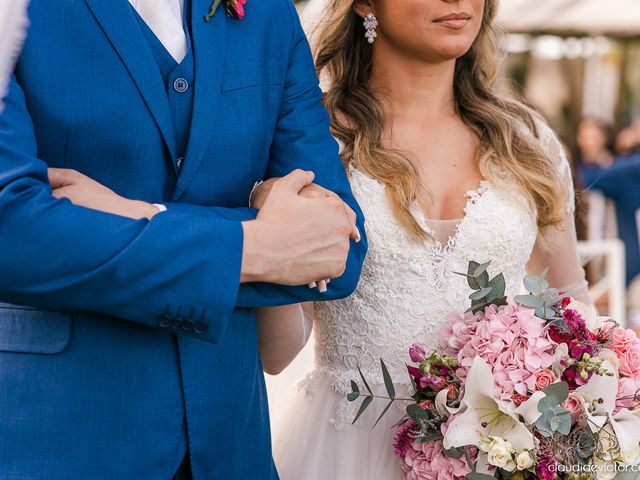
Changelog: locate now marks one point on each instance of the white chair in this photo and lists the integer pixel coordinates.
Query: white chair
(611, 284)
(605, 254)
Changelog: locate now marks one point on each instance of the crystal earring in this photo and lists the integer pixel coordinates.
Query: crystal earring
(370, 25)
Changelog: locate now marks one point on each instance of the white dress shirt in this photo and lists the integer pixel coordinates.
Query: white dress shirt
(164, 18)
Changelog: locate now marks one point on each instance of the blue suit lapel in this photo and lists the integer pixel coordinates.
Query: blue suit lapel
(120, 26)
(208, 40)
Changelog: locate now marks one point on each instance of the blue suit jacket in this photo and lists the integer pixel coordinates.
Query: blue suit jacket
(138, 339)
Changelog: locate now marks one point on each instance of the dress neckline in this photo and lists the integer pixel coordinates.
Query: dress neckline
(473, 197)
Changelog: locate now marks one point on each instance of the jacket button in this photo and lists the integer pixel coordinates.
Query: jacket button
(201, 327)
(176, 323)
(188, 326)
(164, 320)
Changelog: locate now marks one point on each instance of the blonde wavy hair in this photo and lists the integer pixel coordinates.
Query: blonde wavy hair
(343, 57)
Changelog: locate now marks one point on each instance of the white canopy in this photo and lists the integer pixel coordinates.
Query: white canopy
(619, 18)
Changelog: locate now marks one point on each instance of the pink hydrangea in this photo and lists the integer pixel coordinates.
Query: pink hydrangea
(427, 461)
(510, 338)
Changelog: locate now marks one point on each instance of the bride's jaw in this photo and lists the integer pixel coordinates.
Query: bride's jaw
(432, 31)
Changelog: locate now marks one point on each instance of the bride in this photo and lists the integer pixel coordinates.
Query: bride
(446, 171)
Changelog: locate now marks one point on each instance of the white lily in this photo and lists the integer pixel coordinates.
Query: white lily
(485, 416)
(600, 398)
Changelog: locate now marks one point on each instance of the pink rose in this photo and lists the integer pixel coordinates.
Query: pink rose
(622, 339)
(630, 361)
(574, 404)
(541, 380)
(628, 388)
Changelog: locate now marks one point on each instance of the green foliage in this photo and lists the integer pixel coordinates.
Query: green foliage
(554, 417)
(485, 292)
(540, 297)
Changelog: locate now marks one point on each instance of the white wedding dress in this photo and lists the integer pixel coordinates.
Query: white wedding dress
(406, 292)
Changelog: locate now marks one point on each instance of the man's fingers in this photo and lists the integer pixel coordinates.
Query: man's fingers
(295, 181)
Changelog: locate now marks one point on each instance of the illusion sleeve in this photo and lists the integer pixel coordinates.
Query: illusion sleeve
(557, 247)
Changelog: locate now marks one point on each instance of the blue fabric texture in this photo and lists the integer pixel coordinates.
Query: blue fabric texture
(135, 341)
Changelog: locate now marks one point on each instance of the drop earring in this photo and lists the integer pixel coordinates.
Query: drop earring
(370, 25)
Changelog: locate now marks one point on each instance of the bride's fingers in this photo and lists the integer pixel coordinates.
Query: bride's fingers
(322, 286)
(60, 177)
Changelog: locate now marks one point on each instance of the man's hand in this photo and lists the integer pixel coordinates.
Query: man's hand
(296, 240)
(86, 192)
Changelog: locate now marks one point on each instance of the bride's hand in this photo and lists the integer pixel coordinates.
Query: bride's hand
(86, 192)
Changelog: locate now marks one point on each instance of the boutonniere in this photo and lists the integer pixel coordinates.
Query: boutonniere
(234, 8)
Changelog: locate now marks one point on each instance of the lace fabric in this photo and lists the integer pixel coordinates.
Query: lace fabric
(409, 287)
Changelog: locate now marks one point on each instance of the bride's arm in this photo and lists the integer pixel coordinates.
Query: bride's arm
(282, 333)
(556, 248)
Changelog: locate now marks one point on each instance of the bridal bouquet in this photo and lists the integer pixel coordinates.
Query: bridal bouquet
(536, 386)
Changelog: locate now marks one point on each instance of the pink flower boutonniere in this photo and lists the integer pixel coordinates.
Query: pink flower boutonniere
(234, 8)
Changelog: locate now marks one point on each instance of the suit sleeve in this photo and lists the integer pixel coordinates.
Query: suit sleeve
(54, 255)
(302, 140)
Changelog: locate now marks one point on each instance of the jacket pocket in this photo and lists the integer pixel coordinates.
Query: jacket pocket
(255, 77)
(28, 330)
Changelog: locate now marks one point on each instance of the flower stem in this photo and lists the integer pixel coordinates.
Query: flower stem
(212, 10)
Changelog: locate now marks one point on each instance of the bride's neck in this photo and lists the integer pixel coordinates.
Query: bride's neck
(412, 88)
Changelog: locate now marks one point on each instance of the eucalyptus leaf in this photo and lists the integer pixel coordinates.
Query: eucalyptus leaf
(559, 390)
(365, 381)
(565, 424)
(365, 403)
(499, 285)
(480, 269)
(480, 294)
(482, 280)
(535, 284)
(547, 404)
(354, 387)
(353, 396)
(386, 409)
(554, 423)
(530, 301)
(388, 383)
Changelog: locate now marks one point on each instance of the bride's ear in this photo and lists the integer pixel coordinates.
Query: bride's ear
(363, 7)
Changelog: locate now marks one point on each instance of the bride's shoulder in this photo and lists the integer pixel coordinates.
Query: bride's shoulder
(541, 133)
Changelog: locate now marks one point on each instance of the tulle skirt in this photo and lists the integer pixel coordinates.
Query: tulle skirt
(308, 446)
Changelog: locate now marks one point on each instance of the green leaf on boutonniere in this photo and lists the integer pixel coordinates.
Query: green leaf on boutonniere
(212, 10)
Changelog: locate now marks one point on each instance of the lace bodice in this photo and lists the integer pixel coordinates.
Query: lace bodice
(408, 287)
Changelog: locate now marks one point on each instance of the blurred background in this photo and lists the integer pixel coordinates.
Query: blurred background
(578, 63)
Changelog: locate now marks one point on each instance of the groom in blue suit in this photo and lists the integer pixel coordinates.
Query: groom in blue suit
(128, 348)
